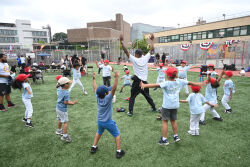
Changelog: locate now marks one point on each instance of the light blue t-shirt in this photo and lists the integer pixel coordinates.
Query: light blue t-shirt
(127, 79)
(63, 95)
(210, 93)
(58, 89)
(104, 108)
(182, 71)
(4, 70)
(76, 73)
(195, 101)
(171, 91)
(227, 86)
(213, 73)
(161, 72)
(25, 93)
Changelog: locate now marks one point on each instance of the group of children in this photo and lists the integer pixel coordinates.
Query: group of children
(177, 79)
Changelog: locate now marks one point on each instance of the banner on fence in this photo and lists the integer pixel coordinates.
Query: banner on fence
(185, 47)
(11, 55)
(32, 55)
(205, 45)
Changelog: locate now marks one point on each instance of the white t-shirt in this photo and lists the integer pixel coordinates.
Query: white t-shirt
(4, 70)
(22, 60)
(106, 70)
(140, 66)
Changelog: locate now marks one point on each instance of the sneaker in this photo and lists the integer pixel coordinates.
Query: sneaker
(67, 138)
(153, 109)
(10, 105)
(229, 111)
(3, 108)
(197, 133)
(163, 142)
(24, 120)
(130, 113)
(191, 133)
(120, 154)
(202, 122)
(59, 132)
(176, 138)
(159, 118)
(85, 92)
(217, 119)
(29, 125)
(93, 149)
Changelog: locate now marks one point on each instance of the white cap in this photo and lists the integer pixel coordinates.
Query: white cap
(64, 80)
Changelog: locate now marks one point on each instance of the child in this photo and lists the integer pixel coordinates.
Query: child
(171, 89)
(242, 72)
(104, 116)
(161, 74)
(57, 85)
(182, 70)
(22, 82)
(106, 69)
(228, 91)
(127, 79)
(195, 101)
(76, 78)
(100, 63)
(63, 100)
(211, 70)
(211, 96)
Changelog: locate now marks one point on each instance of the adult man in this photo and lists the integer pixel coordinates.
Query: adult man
(163, 58)
(140, 67)
(84, 62)
(5, 78)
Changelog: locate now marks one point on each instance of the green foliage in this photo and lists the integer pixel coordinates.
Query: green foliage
(60, 36)
(221, 144)
(141, 44)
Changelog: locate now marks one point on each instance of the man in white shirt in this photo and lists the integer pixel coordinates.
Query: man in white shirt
(140, 67)
(5, 82)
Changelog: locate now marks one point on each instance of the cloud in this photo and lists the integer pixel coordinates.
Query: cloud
(66, 14)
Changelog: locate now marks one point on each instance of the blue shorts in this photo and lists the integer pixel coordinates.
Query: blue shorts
(110, 126)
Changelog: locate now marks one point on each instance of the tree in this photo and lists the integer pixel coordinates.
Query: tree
(141, 44)
(60, 36)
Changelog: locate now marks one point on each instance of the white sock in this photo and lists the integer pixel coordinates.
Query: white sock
(94, 146)
(118, 150)
(28, 121)
(65, 135)
(175, 135)
(163, 138)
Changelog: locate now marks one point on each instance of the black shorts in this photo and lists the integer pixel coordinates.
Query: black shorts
(4, 89)
(169, 114)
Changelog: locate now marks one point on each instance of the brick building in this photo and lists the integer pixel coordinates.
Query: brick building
(106, 30)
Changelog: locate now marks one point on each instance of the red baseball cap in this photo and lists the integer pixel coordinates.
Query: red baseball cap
(170, 71)
(106, 61)
(210, 65)
(184, 62)
(127, 72)
(212, 80)
(229, 73)
(22, 77)
(161, 64)
(58, 77)
(195, 88)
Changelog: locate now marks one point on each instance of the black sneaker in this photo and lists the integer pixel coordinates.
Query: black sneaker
(163, 142)
(10, 105)
(2, 108)
(217, 119)
(176, 138)
(130, 113)
(153, 109)
(24, 120)
(120, 154)
(93, 149)
(229, 111)
(29, 125)
(202, 122)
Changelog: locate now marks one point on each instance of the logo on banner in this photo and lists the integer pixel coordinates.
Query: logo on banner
(230, 42)
(185, 47)
(205, 45)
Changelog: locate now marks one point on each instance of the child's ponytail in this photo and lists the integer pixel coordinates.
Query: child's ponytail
(17, 84)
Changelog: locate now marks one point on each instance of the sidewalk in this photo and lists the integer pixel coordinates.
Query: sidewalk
(235, 73)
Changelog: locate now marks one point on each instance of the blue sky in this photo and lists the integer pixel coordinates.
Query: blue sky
(66, 14)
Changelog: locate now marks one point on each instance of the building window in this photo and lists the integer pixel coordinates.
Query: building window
(8, 32)
(9, 40)
(165, 40)
(189, 37)
(39, 33)
(199, 35)
(37, 40)
(204, 35)
(222, 33)
(210, 34)
(243, 30)
(195, 36)
(236, 31)
(181, 37)
(168, 39)
(174, 38)
(185, 37)
(229, 32)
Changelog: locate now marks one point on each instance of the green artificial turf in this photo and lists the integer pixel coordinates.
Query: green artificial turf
(219, 144)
